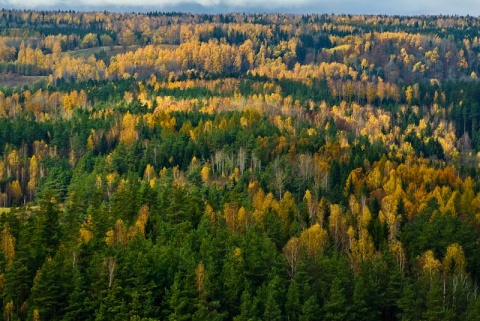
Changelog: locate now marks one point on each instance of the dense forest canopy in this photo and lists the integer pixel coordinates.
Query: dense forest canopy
(171, 166)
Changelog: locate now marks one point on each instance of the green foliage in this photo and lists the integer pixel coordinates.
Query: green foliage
(174, 167)
(336, 306)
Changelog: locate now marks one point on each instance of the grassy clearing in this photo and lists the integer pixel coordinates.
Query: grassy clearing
(339, 48)
(85, 53)
(109, 51)
(171, 47)
(13, 80)
(22, 210)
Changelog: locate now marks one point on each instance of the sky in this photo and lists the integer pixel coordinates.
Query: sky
(391, 7)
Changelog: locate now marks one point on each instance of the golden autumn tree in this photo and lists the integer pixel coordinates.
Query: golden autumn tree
(230, 213)
(454, 262)
(205, 174)
(8, 244)
(16, 190)
(33, 173)
(36, 315)
(398, 252)
(430, 265)
(142, 219)
(337, 226)
(128, 133)
(292, 252)
(117, 235)
(13, 167)
(149, 172)
(312, 206)
(200, 279)
(361, 244)
(287, 210)
(8, 311)
(314, 240)
(85, 232)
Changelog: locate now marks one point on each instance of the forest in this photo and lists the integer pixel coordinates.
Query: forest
(174, 166)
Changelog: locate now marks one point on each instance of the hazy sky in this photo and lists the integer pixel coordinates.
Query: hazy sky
(400, 7)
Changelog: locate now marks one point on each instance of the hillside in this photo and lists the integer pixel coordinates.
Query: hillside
(170, 166)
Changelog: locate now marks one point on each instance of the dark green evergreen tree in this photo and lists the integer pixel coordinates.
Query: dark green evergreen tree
(336, 306)
(292, 305)
(311, 310)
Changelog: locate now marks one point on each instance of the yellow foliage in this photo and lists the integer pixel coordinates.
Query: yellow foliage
(163, 172)
(8, 244)
(365, 218)
(128, 134)
(33, 168)
(98, 181)
(389, 206)
(409, 94)
(200, 278)
(16, 189)
(149, 172)
(128, 97)
(287, 209)
(85, 235)
(230, 213)
(152, 182)
(353, 204)
(110, 238)
(142, 219)
(205, 174)
(399, 253)
(210, 213)
(454, 261)
(243, 121)
(314, 240)
(337, 225)
(244, 218)
(361, 247)
(90, 141)
(446, 199)
(193, 136)
(429, 264)
(117, 235)
(13, 159)
(237, 253)
(8, 310)
(312, 206)
(311, 132)
(36, 315)
(292, 253)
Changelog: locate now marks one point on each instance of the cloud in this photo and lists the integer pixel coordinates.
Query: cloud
(150, 3)
(400, 7)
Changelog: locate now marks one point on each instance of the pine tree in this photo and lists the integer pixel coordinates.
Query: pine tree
(434, 308)
(51, 288)
(248, 308)
(47, 235)
(182, 299)
(272, 310)
(234, 281)
(366, 299)
(310, 310)
(336, 307)
(473, 311)
(292, 305)
(113, 305)
(79, 305)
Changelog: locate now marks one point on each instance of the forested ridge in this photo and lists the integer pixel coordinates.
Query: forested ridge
(171, 166)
